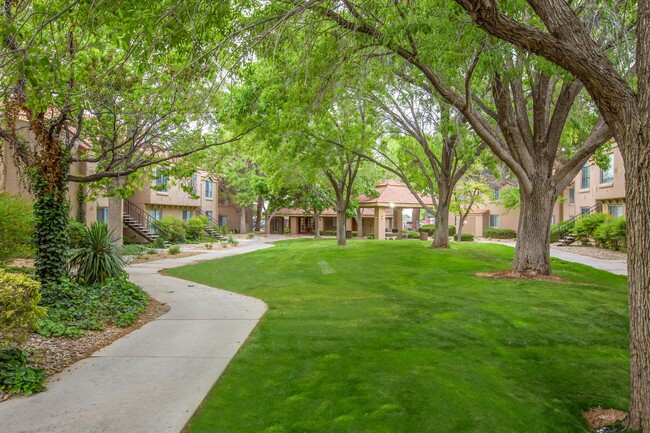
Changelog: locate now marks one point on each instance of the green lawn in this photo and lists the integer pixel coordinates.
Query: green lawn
(396, 337)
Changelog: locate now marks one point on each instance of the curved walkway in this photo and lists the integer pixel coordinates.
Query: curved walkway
(618, 267)
(153, 379)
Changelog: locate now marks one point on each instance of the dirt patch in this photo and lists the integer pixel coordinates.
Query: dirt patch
(55, 354)
(162, 255)
(598, 418)
(511, 275)
(22, 263)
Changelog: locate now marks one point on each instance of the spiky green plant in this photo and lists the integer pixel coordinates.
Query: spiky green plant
(98, 257)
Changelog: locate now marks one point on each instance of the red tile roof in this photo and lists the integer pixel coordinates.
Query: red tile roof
(392, 191)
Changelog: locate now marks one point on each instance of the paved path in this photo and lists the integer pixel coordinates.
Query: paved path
(614, 266)
(153, 379)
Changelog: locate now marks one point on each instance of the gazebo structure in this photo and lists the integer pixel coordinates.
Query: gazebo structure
(392, 195)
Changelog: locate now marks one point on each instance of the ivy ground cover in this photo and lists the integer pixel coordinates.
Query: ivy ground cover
(397, 337)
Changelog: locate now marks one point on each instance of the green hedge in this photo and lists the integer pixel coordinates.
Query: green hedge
(451, 231)
(429, 228)
(494, 233)
(612, 234)
(585, 227)
(19, 309)
(466, 237)
(410, 234)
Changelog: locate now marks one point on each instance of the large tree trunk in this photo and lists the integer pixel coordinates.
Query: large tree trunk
(637, 191)
(359, 219)
(340, 228)
(441, 231)
(317, 224)
(532, 253)
(50, 185)
(415, 218)
(242, 220)
(260, 205)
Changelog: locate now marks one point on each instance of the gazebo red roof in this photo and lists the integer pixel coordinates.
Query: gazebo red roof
(395, 193)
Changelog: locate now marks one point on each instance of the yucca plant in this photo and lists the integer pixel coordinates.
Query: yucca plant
(98, 257)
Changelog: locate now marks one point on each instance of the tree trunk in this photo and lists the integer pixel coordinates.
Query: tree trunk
(415, 218)
(441, 231)
(317, 224)
(340, 228)
(260, 205)
(50, 185)
(637, 191)
(242, 220)
(459, 233)
(532, 253)
(359, 219)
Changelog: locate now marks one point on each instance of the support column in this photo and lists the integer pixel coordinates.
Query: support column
(380, 223)
(397, 219)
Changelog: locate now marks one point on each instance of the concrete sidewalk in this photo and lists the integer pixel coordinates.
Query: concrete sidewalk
(618, 267)
(153, 379)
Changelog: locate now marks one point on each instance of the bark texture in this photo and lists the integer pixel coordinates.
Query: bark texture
(532, 252)
(340, 228)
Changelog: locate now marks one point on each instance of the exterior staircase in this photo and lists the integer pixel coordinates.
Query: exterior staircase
(213, 227)
(139, 221)
(564, 230)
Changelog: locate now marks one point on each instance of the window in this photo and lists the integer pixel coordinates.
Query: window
(572, 196)
(223, 220)
(494, 221)
(195, 184)
(208, 188)
(155, 214)
(552, 219)
(584, 210)
(162, 181)
(585, 182)
(607, 176)
(616, 210)
(187, 215)
(102, 214)
(496, 194)
(208, 214)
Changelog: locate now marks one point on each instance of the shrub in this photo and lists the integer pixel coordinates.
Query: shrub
(232, 241)
(19, 310)
(195, 227)
(494, 233)
(250, 235)
(73, 308)
(429, 228)
(410, 234)
(451, 231)
(328, 232)
(16, 227)
(75, 232)
(585, 227)
(174, 249)
(287, 230)
(98, 257)
(16, 376)
(152, 251)
(466, 237)
(208, 245)
(133, 250)
(612, 234)
(171, 229)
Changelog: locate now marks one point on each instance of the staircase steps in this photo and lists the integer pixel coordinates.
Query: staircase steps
(566, 240)
(137, 227)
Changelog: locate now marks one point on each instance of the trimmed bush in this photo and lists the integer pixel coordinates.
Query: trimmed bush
(612, 234)
(195, 227)
(429, 228)
(171, 229)
(174, 249)
(16, 227)
(466, 237)
(19, 310)
(328, 232)
(98, 257)
(451, 231)
(495, 233)
(586, 226)
(410, 234)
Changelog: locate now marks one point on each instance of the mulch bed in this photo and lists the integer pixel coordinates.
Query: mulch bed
(511, 275)
(599, 418)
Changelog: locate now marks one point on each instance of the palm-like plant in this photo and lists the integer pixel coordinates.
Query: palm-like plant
(98, 257)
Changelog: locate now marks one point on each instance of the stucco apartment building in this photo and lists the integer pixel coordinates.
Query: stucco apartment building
(592, 189)
(161, 198)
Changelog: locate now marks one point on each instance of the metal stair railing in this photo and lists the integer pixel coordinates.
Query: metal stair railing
(566, 227)
(212, 223)
(145, 220)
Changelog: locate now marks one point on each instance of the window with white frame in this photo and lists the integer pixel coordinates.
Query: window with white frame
(195, 184)
(155, 214)
(102, 214)
(607, 176)
(208, 188)
(208, 214)
(496, 193)
(187, 215)
(616, 210)
(162, 181)
(494, 221)
(223, 220)
(585, 178)
(572, 196)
